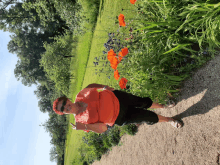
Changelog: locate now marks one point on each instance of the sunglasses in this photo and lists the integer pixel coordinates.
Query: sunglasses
(62, 108)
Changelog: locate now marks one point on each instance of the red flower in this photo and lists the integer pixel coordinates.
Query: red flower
(121, 19)
(111, 55)
(122, 83)
(124, 52)
(116, 75)
(133, 1)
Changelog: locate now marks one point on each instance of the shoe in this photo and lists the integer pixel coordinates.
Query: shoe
(176, 123)
(171, 104)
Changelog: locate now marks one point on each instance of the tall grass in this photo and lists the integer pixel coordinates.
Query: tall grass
(170, 40)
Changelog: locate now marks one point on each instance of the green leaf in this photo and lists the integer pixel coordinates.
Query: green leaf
(217, 5)
(178, 47)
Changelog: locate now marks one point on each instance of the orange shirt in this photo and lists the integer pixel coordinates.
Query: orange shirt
(103, 106)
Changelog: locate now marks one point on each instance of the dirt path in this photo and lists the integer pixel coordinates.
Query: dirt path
(197, 143)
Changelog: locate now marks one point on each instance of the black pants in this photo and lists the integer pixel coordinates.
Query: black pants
(133, 109)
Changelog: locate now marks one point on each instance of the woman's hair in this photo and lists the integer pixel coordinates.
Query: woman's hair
(55, 103)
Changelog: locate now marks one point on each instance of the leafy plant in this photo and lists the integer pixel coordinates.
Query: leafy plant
(130, 129)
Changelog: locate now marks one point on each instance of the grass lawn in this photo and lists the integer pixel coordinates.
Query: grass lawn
(74, 137)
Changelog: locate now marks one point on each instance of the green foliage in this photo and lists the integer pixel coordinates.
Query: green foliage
(114, 135)
(90, 9)
(88, 13)
(57, 127)
(45, 10)
(130, 129)
(69, 12)
(45, 13)
(15, 17)
(95, 145)
(57, 11)
(55, 63)
(167, 45)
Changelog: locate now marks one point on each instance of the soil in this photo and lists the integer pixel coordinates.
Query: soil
(196, 143)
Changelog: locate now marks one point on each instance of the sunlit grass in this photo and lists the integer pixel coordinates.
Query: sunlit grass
(78, 70)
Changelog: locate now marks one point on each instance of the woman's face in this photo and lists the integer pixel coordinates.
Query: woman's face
(68, 108)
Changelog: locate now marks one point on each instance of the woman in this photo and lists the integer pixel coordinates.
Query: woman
(94, 109)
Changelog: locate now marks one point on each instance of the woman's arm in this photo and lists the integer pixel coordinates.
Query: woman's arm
(99, 86)
(96, 127)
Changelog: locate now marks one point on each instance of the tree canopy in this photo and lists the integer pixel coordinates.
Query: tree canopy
(39, 33)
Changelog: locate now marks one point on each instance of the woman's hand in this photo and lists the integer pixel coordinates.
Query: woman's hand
(74, 126)
(96, 127)
(78, 126)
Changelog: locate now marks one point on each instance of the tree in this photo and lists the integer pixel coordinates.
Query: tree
(42, 92)
(53, 154)
(55, 65)
(25, 71)
(22, 71)
(56, 125)
(28, 45)
(48, 16)
(5, 3)
(16, 17)
(45, 105)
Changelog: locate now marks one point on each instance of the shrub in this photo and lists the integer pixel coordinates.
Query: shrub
(114, 135)
(130, 129)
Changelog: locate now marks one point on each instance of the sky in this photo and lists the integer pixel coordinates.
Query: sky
(22, 140)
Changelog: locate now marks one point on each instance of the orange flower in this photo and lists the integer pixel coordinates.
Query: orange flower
(123, 52)
(114, 66)
(110, 58)
(133, 1)
(120, 57)
(111, 52)
(111, 55)
(116, 75)
(121, 19)
(120, 54)
(122, 83)
(114, 62)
